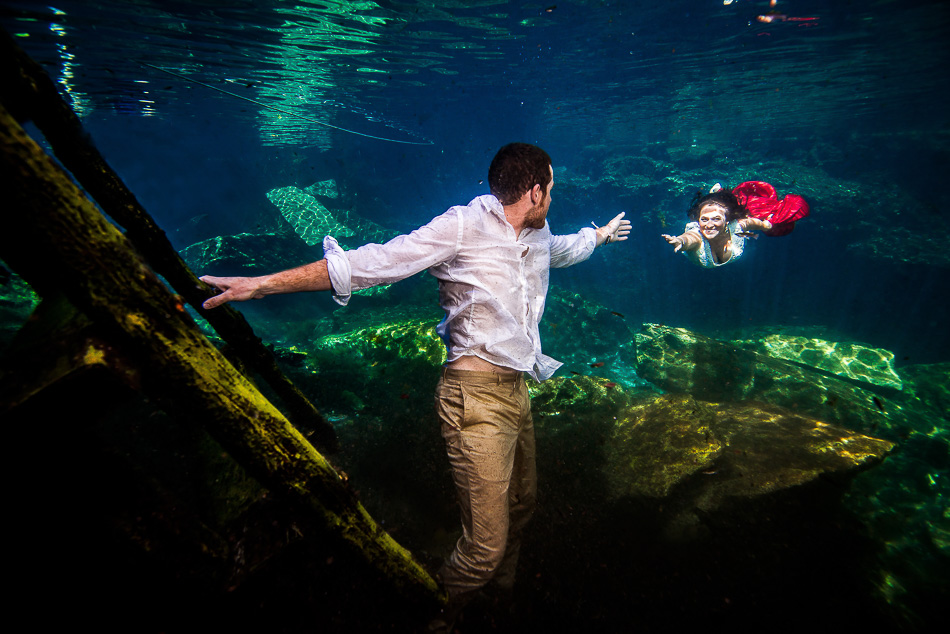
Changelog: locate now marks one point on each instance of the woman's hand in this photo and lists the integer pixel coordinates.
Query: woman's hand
(754, 224)
(677, 241)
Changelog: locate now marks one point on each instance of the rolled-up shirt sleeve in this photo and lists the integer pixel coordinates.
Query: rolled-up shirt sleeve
(403, 256)
(338, 267)
(573, 248)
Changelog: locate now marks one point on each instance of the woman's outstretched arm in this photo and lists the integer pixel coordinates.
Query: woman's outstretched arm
(688, 241)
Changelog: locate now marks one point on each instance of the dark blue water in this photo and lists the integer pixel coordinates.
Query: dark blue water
(640, 104)
(849, 101)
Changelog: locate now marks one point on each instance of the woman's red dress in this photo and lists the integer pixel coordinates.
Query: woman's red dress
(763, 203)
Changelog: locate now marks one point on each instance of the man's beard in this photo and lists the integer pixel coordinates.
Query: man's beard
(536, 217)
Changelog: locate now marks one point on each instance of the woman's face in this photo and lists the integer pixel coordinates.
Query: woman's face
(712, 220)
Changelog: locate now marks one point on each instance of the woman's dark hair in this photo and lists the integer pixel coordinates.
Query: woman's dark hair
(516, 168)
(725, 198)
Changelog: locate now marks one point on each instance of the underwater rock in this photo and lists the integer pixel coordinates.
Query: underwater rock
(410, 339)
(15, 294)
(312, 220)
(255, 254)
(374, 360)
(905, 506)
(289, 355)
(851, 360)
(658, 445)
(631, 173)
(395, 350)
(678, 360)
(919, 245)
(572, 182)
(716, 451)
(364, 231)
(930, 385)
(259, 254)
(578, 394)
(588, 338)
(325, 188)
(693, 152)
(247, 254)
(307, 215)
(574, 417)
(683, 454)
(575, 331)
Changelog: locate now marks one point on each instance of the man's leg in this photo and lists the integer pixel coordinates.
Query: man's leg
(522, 497)
(483, 423)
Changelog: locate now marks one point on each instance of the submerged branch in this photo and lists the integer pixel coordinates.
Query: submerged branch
(29, 94)
(58, 241)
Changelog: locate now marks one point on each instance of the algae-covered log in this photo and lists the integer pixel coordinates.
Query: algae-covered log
(59, 242)
(28, 92)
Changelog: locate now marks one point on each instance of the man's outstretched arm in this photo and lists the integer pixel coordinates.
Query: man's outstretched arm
(309, 277)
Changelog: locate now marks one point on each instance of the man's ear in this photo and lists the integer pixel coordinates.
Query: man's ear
(536, 194)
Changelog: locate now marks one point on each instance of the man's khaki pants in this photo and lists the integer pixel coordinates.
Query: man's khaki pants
(489, 437)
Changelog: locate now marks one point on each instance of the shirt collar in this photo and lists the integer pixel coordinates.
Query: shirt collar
(491, 204)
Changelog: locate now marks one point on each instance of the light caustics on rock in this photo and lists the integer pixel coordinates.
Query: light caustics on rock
(309, 218)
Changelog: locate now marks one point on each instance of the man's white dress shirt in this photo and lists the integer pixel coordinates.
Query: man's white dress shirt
(492, 283)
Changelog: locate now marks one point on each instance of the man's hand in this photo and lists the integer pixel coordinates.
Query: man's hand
(234, 289)
(309, 277)
(614, 231)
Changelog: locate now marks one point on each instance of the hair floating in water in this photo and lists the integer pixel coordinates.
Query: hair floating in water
(286, 112)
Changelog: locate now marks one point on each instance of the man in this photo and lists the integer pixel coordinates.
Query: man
(491, 258)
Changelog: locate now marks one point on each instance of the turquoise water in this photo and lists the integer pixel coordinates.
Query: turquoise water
(394, 110)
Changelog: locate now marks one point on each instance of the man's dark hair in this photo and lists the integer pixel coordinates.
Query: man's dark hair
(724, 197)
(516, 168)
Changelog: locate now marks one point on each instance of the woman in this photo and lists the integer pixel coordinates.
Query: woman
(722, 220)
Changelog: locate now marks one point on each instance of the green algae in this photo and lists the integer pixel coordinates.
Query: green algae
(408, 339)
(17, 302)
